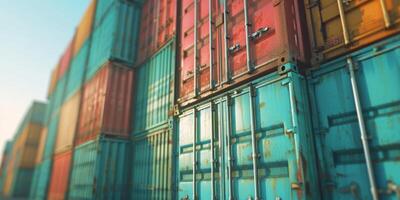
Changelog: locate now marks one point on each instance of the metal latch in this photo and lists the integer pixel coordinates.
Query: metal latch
(234, 48)
(353, 189)
(260, 32)
(391, 188)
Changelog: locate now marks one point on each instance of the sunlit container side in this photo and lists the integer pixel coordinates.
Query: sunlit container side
(59, 96)
(115, 37)
(106, 104)
(254, 142)
(157, 26)
(65, 59)
(77, 70)
(28, 146)
(41, 145)
(340, 27)
(154, 96)
(4, 165)
(52, 82)
(52, 130)
(59, 181)
(99, 170)
(84, 28)
(41, 180)
(341, 156)
(68, 123)
(152, 166)
(253, 38)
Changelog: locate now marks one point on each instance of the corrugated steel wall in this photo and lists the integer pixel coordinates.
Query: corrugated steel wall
(84, 29)
(41, 180)
(59, 181)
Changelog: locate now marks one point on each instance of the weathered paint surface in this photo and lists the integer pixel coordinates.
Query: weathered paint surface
(343, 172)
(154, 94)
(40, 181)
(273, 111)
(99, 170)
(152, 166)
(58, 185)
(84, 28)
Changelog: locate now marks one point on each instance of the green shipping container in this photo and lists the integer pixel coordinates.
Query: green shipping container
(40, 180)
(99, 170)
(154, 99)
(22, 183)
(115, 34)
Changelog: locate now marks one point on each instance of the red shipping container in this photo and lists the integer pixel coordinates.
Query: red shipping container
(158, 26)
(272, 36)
(106, 103)
(65, 60)
(60, 172)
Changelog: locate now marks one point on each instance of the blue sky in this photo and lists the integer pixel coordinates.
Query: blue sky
(33, 35)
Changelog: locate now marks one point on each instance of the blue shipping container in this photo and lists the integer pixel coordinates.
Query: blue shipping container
(338, 124)
(154, 99)
(114, 36)
(40, 180)
(254, 142)
(99, 170)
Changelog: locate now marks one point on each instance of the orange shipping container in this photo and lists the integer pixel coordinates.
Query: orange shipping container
(106, 103)
(60, 176)
(338, 27)
(67, 125)
(84, 28)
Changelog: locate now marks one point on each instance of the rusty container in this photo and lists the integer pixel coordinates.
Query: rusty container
(58, 185)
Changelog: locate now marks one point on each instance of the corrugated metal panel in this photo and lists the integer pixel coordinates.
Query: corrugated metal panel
(115, 38)
(154, 99)
(65, 60)
(152, 166)
(68, 123)
(8, 181)
(100, 170)
(84, 29)
(339, 146)
(52, 130)
(28, 146)
(4, 164)
(22, 183)
(268, 118)
(41, 180)
(59, 95)
(362, 23)
(106, 104)
(58, 185)
(41, 145)
(77, 70)
(52, 81)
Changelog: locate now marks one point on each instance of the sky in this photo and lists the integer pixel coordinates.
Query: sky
(33, 35)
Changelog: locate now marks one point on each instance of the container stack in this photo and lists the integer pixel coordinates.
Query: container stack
(4, 164)
(22, 152)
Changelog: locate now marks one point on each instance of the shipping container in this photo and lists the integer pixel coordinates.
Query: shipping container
(84, 28)
(77, 70)
(340, 27)
(355, 101)
(253, 38)
(115, 35)
(59, 180)
(157, 26)
(41, 146)
(152, 166)
(254, 142)
(22, 183)
(52, 130)
(106, 104)
(58, 96)
(99, 170)
(52, 82)
(65, 60)
(27, 145)
(154, 97)
(41, 180)
(68, 123)
(5, 164)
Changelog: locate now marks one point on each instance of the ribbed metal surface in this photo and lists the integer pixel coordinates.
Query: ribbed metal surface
(154, 99)
(41, 180)
(52, 131)
(58, 185)
(22, 183)
(152, 166)
(99, 170)
(84, 28)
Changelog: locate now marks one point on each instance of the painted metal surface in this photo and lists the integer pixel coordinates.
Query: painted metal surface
(41, 145)
(26, 146)
(154, 93)
(52, 130)
(342, 158)
(22, 183)
(68, 123)
(106, 104)
(157, 26)
(65, 59)
(41, 179)
(254, 142)
(99, 170)
(59, 95)
(152, 166)
(5, 164)
(115, 37)
(84, 28)
(59, 181)
(52, 81)
(77, 70)
(252, 38)
(339, 27)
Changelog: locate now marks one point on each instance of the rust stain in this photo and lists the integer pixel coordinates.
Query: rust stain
(267, 149)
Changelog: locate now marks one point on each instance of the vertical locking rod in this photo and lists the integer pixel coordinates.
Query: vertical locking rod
(254, 142)
(194, 154)
(196, 70)
(343, 22)
(210, 38)
(247, 27)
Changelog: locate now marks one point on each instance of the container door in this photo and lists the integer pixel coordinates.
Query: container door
(255, 32)
(341, 155)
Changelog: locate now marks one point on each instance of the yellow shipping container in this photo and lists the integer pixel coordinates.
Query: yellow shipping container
(53, 81)
(68, 122)
(84, 28)
(42, 143)
(337, 27)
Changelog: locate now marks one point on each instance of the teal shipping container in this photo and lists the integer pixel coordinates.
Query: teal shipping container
(22, 183)
(356, 108)
(254, 142)
(99, 170)
(77, 69)
(154, 92)
(58, 96)
(40, 180)
(115, 34)
(52, 131)
(152, 166)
